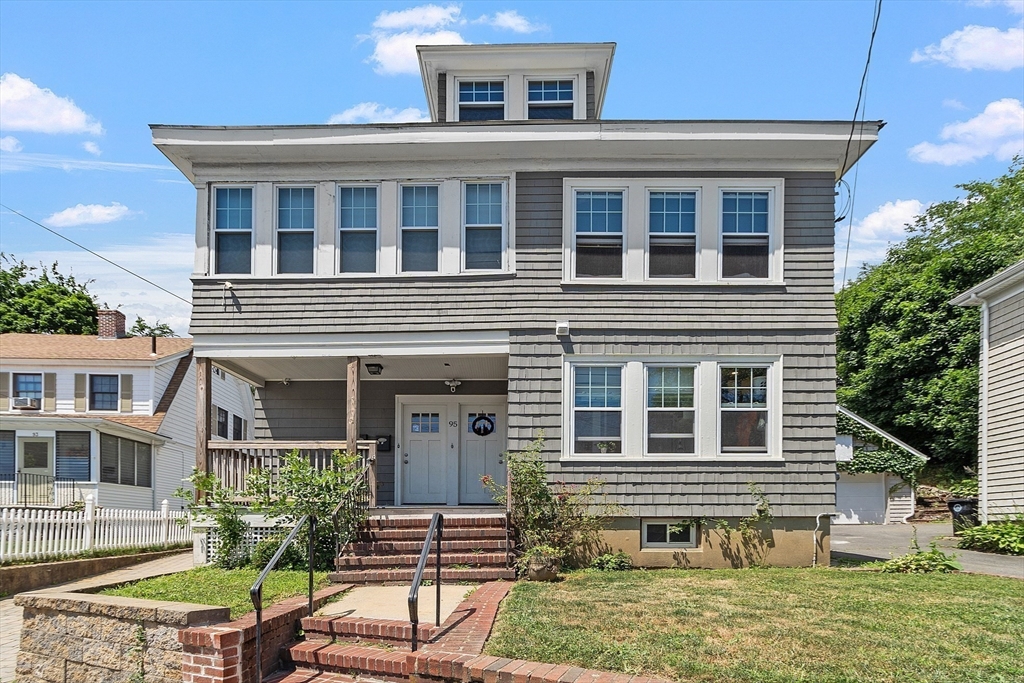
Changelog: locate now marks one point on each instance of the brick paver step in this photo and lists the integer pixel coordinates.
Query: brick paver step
(309, 676)
(422, 522)
(406, 574)
(447, 559)
(345, 658)
(387, 631)
(415, 547)
(418, 533)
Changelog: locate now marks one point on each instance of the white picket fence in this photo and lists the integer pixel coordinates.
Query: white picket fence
(30, 534)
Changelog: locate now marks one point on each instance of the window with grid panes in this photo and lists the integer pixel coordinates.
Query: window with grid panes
(670, 410)
(357, 221)
(484, 218)
(598, 233)
(419, 228)
(103, 392)
(672, 234)
(233, 230)
(745, 226)
(549, 99)
(296, 228)
(481, 101)
(597, 409)
(743, 409)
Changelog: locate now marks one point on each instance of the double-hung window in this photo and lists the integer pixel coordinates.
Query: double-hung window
(222, 423)
(103, 392)
(550, 99)
(745, 218)
(28, 385)
(597, 409)
(744, 409)
(419, 229)
(296, 229)
(484, 221)
(233, 230)
(482, 101)
(357, 220)
(598, 233)
(672, 234)
(670, 410)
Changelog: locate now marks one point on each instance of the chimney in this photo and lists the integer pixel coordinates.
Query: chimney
(111, 324)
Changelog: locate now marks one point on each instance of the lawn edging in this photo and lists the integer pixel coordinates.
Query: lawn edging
(20, 578)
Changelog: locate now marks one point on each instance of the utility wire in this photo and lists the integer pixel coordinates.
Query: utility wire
(99, 256)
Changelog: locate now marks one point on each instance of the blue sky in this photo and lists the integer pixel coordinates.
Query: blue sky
(81, 81)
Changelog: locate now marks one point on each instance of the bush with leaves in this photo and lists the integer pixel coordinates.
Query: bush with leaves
(43, 302)
(218, 505)
(566, 517)
(998, 537)
(919, 561)
(298, 489)
(294, 556)
(612, 562)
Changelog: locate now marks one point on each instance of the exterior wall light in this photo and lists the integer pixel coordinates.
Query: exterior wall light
(374, 368)
(452, 384)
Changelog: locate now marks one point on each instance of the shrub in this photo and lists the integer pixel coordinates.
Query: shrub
(612, 562)
(293, 557)
(218, 504)
(538, 551)
(921, 561)
(998, 537)
(965, 488)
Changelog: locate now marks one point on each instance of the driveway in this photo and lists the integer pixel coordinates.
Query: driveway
(883, 541)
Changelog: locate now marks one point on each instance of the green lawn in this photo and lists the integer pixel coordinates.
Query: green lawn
(771, 625)
(227, 588)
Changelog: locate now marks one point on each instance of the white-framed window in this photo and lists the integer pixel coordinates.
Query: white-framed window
(670, 407)
(598, 233)
(420, 228)
(358, 228)
(104, 392)
(481, 99)
(483, 220)
(550, 98)
(296, 229)
(672, 233)
(745, 247)
(27, 385)
(233, 230)
(597, 409)
(668, 533)
(744, 408)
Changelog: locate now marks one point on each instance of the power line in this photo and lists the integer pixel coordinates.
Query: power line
(99, 256)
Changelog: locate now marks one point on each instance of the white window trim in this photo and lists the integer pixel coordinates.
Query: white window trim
(696, 410)
(438, 228)
(670, 522)
(571, 440)
(504, 267)
(42, 384)
(480, 78)
(774, 381)
(696, 188)
(338, 229)
(252, 230)
(706, 404)
(578, 93)
(88, 392)
(275, 247)
(635, 229)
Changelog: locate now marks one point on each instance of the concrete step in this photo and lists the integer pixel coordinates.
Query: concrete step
(447, 559)
(475, 575)
(352, 660)
(361, 629)
(416, 547)
(309, 676)
(419, 533)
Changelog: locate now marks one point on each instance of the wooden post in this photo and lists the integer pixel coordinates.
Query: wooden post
(203, 407)
(352, 405)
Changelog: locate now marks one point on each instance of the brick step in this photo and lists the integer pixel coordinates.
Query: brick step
(423, 521)
(480, 575)
(447, 559)
(387, 631)
(345, 658)
(416, 547)
(309, 676)
(418, 534)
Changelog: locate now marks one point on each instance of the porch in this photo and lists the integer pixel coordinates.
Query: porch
(22, 489)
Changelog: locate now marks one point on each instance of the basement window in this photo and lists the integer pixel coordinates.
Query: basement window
(668, 533)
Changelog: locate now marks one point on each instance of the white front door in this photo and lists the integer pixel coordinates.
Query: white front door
(424, 453)
(482, 451)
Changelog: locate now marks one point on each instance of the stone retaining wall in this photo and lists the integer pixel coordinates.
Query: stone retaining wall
(19, 578)
(83, 638)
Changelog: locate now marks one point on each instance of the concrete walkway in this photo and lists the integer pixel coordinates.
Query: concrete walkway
(10, 614)
(392, 602)
(884, 541)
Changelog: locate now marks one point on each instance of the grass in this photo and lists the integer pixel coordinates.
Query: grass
(221, 587)
(105, 552)
(771, 625)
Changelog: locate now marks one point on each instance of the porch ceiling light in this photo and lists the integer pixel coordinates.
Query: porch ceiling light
(452, 384)
(374, 368)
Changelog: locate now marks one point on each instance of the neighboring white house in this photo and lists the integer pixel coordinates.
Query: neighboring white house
(871, 498)
(108, 415)
(1001, 392)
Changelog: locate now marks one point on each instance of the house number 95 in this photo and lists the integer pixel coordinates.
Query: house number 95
(453, 423)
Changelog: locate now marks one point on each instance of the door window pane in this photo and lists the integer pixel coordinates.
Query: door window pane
(37, 455)
(103, 392)
(7, 455)
(425, 423)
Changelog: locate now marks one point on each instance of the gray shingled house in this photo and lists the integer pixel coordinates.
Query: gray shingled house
(655, 296)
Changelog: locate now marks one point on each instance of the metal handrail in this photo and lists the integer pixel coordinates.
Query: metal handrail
(361, 480)
(256, 592)
(436, 527)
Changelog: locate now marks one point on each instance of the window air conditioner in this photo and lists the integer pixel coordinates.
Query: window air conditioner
(25, 403)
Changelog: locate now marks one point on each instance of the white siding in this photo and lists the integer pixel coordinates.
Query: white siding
(1005, 397)
(901, 499)
(127, 497)
(141, 382)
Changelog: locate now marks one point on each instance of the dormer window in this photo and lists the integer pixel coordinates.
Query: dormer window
(482, 101)
(550, 99)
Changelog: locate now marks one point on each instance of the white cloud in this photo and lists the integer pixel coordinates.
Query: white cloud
(954, 104)
(395, 53)
(92, 148)
(9, 143)
(374, 112)
(510, 20)
(166, 259)
(88, 214)
(422, 17)
(32, 162)
(25, 106)
(1015, 6)
(998, 131)
(977, 47)
(873, 234)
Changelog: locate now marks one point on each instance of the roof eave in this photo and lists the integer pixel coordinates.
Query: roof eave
(881, 432)
(980, 293)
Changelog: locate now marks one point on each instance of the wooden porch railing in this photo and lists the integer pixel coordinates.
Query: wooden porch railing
(232, 461)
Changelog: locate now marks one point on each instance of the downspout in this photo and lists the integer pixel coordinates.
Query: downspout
(817, 526)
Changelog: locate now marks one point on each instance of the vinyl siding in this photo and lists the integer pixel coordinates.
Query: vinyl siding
(1005, 398)
(901, 500)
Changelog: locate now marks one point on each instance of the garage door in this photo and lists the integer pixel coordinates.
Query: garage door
(860, 499)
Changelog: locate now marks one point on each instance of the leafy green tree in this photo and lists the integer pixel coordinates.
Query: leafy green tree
(143, 329)
(43, 300)
(906, 359)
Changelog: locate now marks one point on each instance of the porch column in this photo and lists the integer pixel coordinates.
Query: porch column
(352, 404)
(203, 407)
